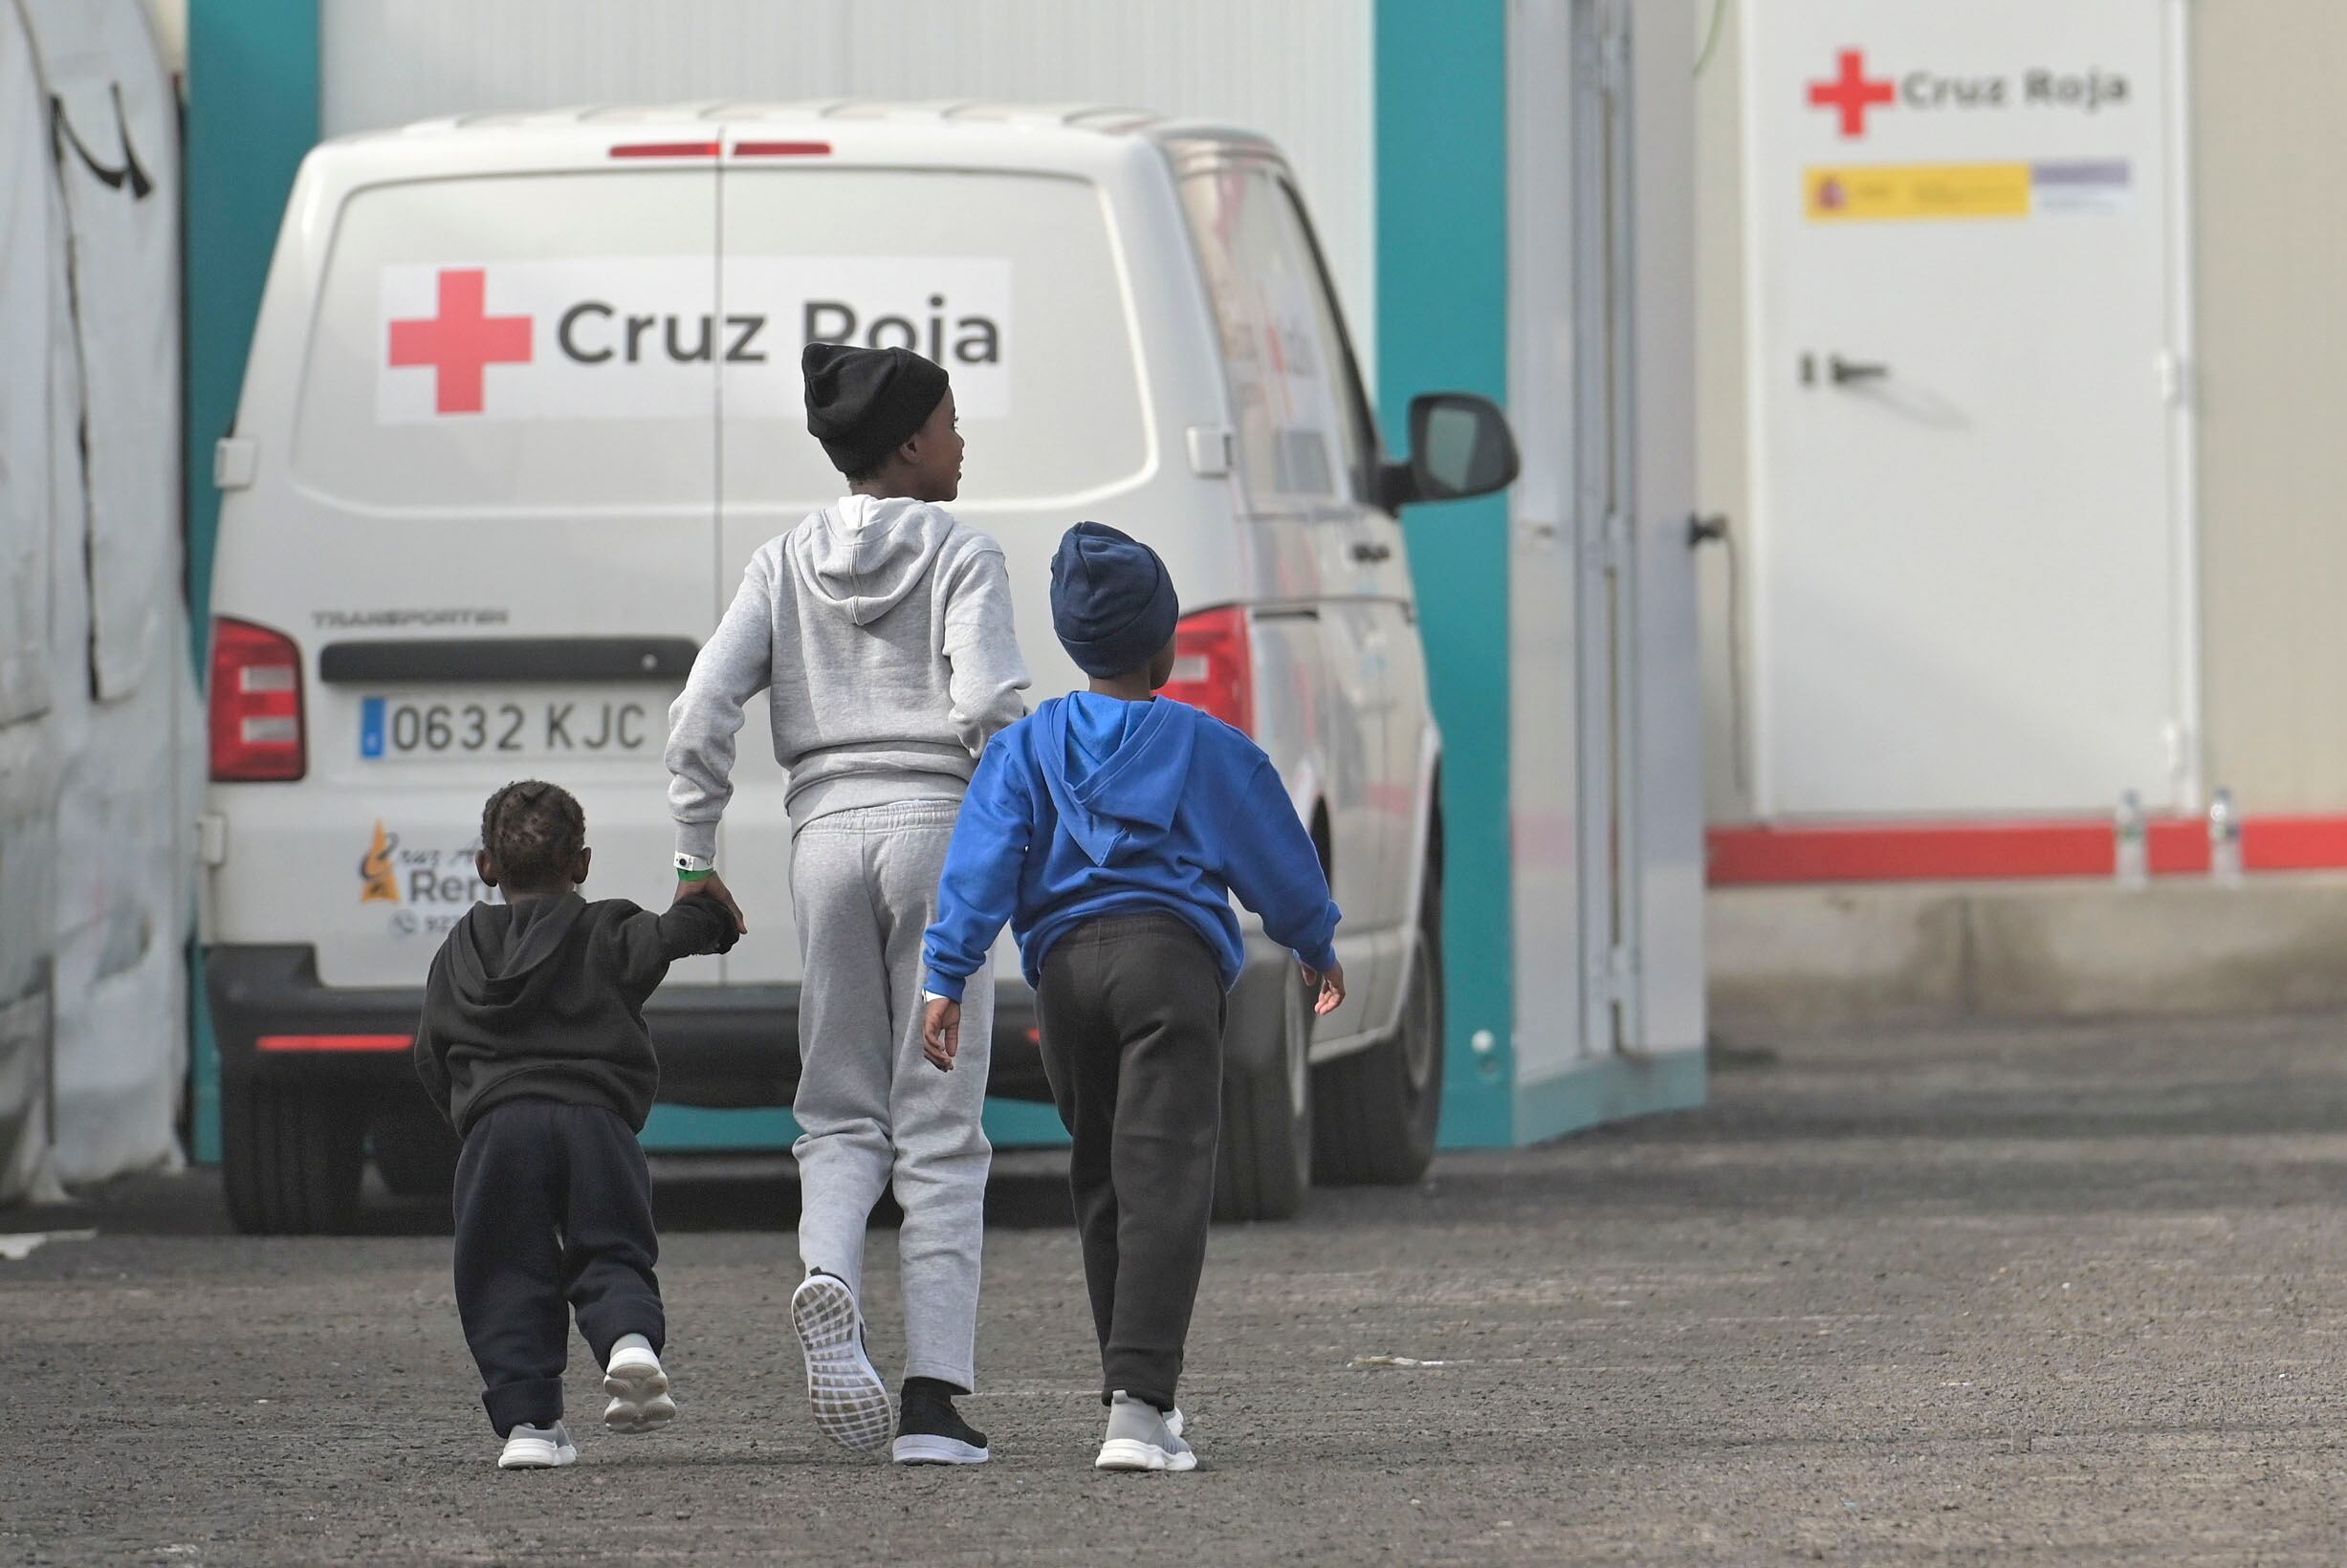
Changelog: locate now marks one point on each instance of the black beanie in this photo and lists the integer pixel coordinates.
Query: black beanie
(1112, 600)
(864, 403)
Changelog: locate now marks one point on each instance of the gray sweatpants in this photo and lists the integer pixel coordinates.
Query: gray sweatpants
(873, 1113)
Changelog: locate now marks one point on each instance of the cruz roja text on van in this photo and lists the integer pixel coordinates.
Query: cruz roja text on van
(593, 332)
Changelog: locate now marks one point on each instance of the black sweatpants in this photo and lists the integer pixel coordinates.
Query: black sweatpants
(1132, 1010)
(553, 1203)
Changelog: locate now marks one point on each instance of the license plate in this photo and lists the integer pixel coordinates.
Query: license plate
(392, 729)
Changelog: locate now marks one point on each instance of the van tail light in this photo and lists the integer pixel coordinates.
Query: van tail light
(1214, 667)
(255, 704)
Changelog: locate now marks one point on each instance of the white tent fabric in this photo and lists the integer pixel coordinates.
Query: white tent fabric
(29, 246)
(31, 270)
(97, 791)
(115, 135)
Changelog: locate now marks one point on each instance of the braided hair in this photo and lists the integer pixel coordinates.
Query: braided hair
(532, 831)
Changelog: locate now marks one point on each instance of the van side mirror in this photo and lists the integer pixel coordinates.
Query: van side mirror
(1460, 446)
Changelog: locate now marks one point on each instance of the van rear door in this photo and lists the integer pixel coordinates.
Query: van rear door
(499, 540)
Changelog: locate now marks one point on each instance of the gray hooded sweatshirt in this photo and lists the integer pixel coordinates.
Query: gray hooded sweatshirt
(880, 632)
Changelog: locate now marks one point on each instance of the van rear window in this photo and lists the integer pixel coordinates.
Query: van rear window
(568, 341)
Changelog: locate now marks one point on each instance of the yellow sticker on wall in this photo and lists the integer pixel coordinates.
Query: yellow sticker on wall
(1857, 193)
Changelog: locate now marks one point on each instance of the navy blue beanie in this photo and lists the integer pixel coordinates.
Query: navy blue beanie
(1112, 600)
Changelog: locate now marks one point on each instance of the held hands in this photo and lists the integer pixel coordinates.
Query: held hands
(1329, 984)
(713, 886)
(942, 1033)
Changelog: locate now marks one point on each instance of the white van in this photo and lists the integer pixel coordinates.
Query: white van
(523, 399)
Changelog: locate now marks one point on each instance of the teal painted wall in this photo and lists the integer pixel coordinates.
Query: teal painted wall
(1010, 1125)
(251, 114)
(1441, 160)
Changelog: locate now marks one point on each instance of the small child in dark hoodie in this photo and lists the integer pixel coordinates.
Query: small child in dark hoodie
(1111, 830)
(532, 1045)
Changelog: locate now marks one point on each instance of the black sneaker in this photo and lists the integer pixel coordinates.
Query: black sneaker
(930, 1431)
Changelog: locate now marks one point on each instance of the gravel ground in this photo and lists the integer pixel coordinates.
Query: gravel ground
(2064, 1296)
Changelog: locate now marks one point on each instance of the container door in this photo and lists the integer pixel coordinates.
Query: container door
(1971, 590)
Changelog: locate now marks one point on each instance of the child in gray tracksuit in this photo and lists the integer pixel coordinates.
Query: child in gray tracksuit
(880, 629)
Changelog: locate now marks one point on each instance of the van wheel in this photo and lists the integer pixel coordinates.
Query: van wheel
(1376, 1111)
(291, 1159)
(416, 1156)
(1264, 1163)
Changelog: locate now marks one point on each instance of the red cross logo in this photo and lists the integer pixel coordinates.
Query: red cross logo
(1851, 93)
(461, 342)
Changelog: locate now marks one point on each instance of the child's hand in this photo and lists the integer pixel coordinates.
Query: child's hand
(713, 886)
(942, 1033)
(1330, 985)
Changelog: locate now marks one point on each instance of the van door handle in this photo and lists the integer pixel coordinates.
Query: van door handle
(1845, 371)
(1370, 554)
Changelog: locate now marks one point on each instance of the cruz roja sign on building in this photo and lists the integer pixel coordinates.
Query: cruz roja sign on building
(1977, 190)
(1852, 92)
(1971, 561)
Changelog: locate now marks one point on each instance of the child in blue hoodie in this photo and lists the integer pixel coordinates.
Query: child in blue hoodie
(1111, 830)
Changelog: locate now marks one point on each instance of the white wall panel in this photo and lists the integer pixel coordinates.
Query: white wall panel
(1300, 70)
(1547, 633)
(2266, 120)
(1668, 905)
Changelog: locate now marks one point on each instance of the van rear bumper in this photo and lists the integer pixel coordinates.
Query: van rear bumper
(720, 1046)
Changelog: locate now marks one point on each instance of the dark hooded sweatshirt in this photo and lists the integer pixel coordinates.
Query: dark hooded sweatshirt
(543, 1000)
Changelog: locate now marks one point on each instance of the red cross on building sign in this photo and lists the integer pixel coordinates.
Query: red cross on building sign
(1852, 92)
(462, 342)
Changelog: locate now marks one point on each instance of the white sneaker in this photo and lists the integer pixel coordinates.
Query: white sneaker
(1141, 1439)
(849, 1402)
(639, 1389)
(539, 1448)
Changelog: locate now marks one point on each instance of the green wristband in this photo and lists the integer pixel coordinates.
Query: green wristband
(697, 875)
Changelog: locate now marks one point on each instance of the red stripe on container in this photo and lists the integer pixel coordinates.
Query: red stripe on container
(334, 1042)
(1745, 856)
(2292, 843)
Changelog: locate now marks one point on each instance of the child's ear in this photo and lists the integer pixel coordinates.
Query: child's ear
(485, 867)
(579, 867)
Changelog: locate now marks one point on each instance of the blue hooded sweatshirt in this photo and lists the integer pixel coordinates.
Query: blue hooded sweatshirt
(1094, 806)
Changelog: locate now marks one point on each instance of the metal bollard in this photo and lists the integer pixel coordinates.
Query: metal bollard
(2224, 841)
(2132, 859)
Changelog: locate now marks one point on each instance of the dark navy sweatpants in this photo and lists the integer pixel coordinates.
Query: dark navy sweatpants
(554, 1205)
(1132, 1007)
